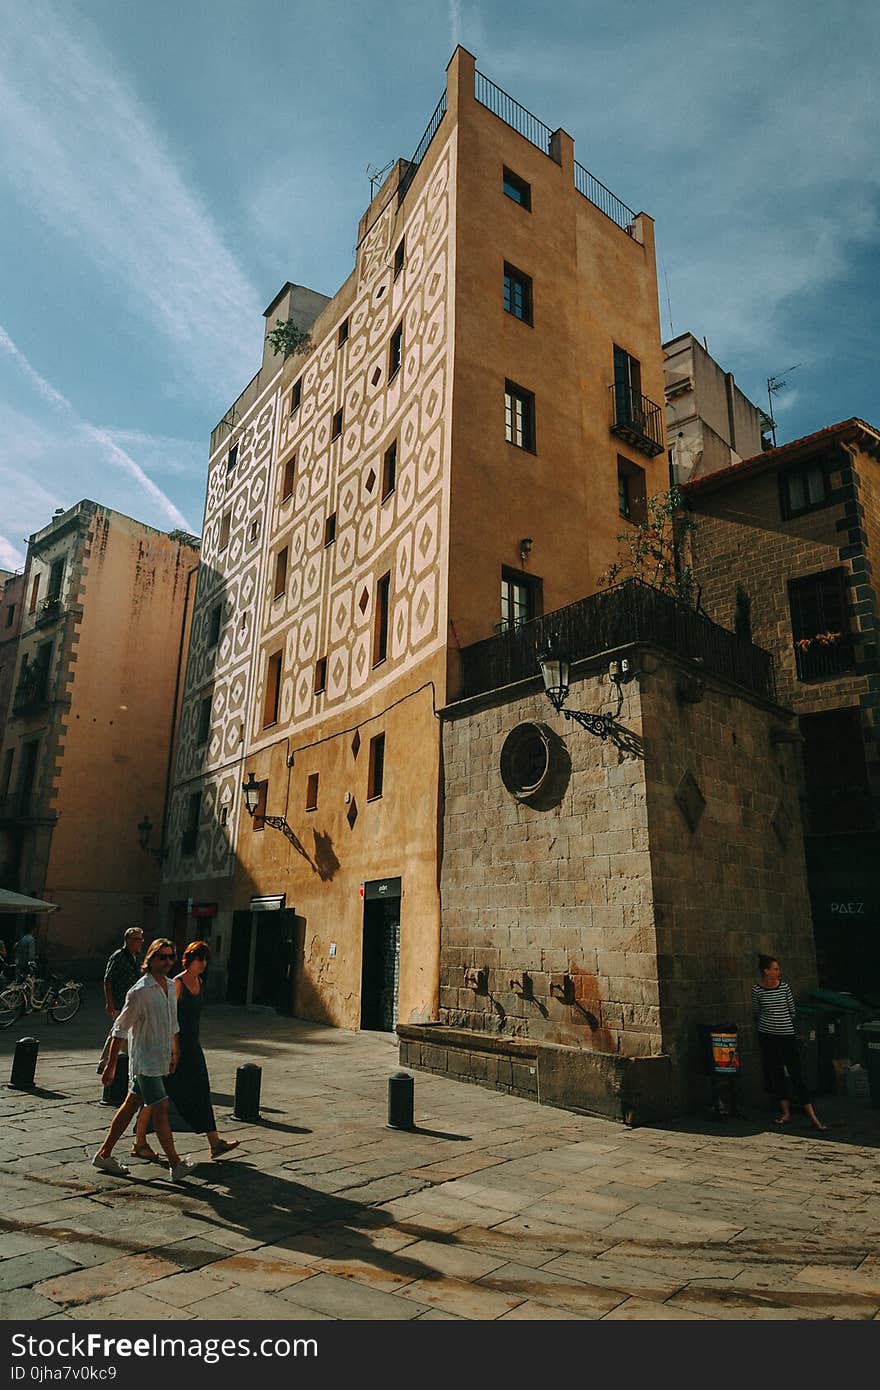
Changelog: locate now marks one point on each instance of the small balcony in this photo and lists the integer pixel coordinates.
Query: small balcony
(824, 656)
(31, 693)
(48, 610)
(636, 419)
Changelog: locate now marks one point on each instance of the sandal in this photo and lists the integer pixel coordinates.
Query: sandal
(144, 1152)
(223, 1146)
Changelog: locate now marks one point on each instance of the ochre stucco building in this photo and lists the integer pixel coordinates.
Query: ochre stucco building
(476, 410)
(85, 753)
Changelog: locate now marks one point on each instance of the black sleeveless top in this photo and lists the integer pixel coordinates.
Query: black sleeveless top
(189, 1013)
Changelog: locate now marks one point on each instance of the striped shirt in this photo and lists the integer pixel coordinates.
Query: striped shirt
(774, 1009)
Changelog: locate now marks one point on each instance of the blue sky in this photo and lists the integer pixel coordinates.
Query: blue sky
(166, 167)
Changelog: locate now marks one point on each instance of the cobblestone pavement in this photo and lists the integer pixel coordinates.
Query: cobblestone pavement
(493, 1208)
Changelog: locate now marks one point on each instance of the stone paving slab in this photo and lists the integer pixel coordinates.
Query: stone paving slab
(493, 1208)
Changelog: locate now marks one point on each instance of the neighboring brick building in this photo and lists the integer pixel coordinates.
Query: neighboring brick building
(85, 752)
(602, 899)
(785, 549)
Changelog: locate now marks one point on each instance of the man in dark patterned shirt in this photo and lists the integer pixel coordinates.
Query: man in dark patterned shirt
(123, 971)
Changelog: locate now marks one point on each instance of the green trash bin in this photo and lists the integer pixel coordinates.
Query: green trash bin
(870, 1032)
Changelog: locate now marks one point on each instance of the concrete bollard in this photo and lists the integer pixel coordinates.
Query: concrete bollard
(248, 1080)
(24, 1064)
(401, 1088)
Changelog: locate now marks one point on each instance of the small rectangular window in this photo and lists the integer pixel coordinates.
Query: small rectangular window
(631, 494)
(10, 615)
(225, 527)
(519, 416)
(330, 529)
(395, 352)
(376, 778)
(231, 458)
(803, 489)
(389, 470)
(56, 579)
(288, 479)
(521, 596)
(35, 592)
(380, 622)
(320, 675)
(296, 397)
(204, 724)
(190, 836)
(215, 620)
(223, 816)
(399, 256)
(273, 690)
(337, 425)
(517, 293)
(281, 573)
(312, 792)
(517, 189)
(342, 335)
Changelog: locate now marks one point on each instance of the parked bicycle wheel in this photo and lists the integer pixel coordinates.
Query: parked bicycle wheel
(12, 1003)
(66, 1004)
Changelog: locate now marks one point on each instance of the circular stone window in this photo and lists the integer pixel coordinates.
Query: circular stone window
(525, 759)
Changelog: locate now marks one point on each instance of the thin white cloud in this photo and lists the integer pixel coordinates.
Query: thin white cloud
(10, 558)
(455, 21)
(79, 149)
(101, 438)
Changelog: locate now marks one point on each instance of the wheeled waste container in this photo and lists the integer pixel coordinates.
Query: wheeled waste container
(870, 1032)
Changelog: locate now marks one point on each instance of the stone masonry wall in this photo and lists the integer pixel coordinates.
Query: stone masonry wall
(564, 890)
(729, 877)
(662, 862)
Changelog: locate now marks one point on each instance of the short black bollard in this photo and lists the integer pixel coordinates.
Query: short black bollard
(248, 1080)
(24, 1064)
(400, 1101)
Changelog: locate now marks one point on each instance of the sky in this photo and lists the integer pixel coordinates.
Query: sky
(166, 167)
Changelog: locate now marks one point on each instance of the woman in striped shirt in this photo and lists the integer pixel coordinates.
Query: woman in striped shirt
(774, 1016)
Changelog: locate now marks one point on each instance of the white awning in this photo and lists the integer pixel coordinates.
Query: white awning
(17, 902)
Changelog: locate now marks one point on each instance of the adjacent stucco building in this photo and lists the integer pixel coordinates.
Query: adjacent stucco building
(90, 721)
(710, 423)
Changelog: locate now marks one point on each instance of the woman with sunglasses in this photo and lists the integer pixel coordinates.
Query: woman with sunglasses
(190, 1087)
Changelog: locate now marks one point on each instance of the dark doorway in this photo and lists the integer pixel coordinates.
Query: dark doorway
(263, 956)
(238, 965)
(274, 960)
(381, 955)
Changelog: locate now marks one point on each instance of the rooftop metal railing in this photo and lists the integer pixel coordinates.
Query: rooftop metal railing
(422, 148)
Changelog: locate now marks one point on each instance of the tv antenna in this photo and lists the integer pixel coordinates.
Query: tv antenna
(775, 384)
(376, 176)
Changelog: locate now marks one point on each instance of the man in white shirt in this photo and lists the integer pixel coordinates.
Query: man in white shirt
(149, 1021)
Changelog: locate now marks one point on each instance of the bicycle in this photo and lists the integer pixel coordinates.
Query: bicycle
(60, 999)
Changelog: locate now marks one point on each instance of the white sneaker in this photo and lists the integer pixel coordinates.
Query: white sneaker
(183, 1169)
(110, 1165)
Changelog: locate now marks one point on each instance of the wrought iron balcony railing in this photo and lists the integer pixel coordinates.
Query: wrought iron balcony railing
(636, 419)
(49, 610)
(31, 693)
(824, 660)
(629, 612)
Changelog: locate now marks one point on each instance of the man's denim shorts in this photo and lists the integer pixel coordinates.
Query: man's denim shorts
(151, 1089)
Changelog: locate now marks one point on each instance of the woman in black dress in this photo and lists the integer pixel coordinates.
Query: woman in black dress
(189, 1086)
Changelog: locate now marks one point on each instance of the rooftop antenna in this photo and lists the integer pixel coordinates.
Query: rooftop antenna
(775, 384)
(668, 299)
(376, 176)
